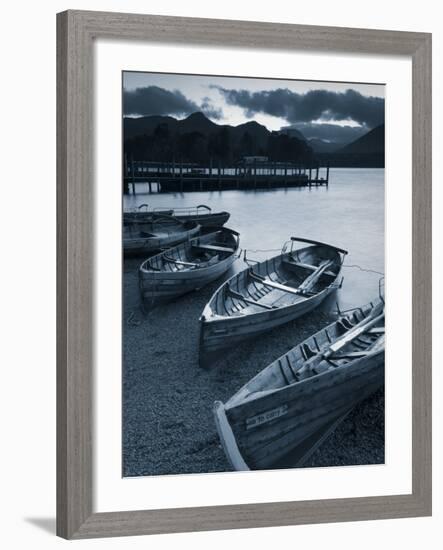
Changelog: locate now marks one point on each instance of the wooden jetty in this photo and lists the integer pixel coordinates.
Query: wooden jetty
(167, 177)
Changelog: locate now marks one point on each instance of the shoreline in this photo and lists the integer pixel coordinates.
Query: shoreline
(168, 425)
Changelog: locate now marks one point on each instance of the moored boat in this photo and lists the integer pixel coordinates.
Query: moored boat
(188, 266)
(144, 237)
(269, 294)
(292, 405)
(200, 214)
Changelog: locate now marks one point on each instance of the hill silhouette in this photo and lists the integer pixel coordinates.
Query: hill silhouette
(197, 139)
(368, 151)
(371, 143)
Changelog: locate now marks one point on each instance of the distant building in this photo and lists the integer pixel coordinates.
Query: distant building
(251, 160)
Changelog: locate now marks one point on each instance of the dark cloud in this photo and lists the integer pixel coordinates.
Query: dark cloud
(208, 108)
(312, 105)
(153, 100)
(330, 132)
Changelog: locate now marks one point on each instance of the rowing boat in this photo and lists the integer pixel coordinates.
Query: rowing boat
(268, 294)
(188, 266)
(295, 403)
(141, 237)
(200, 214)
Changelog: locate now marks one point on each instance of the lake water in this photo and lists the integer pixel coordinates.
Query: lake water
(349, 214)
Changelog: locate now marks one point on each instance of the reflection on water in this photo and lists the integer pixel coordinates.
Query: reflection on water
(349, 214)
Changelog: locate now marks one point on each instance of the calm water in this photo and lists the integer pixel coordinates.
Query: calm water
(349, 214)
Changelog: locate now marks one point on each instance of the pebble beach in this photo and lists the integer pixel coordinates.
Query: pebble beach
(168, 425)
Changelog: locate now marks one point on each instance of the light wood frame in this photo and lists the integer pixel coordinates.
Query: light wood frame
(76, 32)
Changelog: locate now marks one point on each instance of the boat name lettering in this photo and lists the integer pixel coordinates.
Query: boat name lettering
(266, 417)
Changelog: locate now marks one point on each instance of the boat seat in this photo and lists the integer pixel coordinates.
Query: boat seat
(310, 267)
(377, 330)
(213, 248)
(278, 286)
(239, 296)
(179, 262)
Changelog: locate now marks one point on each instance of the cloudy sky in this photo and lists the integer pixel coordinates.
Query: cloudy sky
(332, 111)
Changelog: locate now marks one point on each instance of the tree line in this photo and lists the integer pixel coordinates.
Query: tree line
(220, 146)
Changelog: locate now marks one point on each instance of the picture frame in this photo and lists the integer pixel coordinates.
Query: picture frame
(76, 32)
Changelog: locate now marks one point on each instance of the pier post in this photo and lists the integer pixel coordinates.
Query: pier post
(327, 174)
(125, 176)
(317, 174)
(133, 175)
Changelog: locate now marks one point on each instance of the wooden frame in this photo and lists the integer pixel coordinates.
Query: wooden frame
(76, 31)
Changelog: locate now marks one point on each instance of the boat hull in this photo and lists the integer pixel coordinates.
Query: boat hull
(218, 219)
(269, 428)
(159, 283)
(137, 246)
(266, 295)
(208, 220)
(217, 335)
(168, 287)
(293, 404)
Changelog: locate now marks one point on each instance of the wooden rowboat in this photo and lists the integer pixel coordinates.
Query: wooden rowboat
(268, 294)
(200, 214)
(291, 406)
(188, 266)
(144, 237)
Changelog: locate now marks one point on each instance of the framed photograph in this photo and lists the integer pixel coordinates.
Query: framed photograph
(244, 274)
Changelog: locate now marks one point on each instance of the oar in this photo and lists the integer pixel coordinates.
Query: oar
(372, 319)
(352, 334)
(310, 281)
(377, 346)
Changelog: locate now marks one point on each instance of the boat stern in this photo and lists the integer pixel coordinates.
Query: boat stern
(205, 356)
(227, 438)
(212, 341)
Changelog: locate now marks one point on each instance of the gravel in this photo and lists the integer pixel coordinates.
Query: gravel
(168, 426)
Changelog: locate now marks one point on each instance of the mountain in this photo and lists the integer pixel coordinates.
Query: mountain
(292, 132)
(368, 151)
(197, 122)
(146, 125)
(256, 134)
(372, 143)
(198, 139)
(322, 146)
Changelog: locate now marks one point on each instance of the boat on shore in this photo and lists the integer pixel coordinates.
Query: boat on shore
(147, 236)
(296, 402)
(200, 214)
(187, 267)
(268, 294)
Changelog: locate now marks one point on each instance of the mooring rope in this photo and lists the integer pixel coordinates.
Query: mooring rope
(364, 269)
(132, 321)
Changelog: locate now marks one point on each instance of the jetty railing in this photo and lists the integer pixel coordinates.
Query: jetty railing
(165, 177)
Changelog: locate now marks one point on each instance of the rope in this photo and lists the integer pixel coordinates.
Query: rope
(132, 321)
(363, 269)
